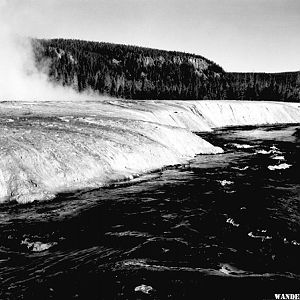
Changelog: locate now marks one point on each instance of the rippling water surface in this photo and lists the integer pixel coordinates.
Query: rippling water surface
(205, 228)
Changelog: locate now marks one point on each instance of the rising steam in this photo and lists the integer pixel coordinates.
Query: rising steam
(20, 80)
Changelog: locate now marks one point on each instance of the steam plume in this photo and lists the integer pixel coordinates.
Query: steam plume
(19, 77)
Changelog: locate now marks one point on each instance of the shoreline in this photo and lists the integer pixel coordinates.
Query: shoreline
(53, 147)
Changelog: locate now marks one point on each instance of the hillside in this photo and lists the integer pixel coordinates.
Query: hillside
(264, 86)
(143, 73)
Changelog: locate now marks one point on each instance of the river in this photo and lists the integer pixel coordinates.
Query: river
(207, 227)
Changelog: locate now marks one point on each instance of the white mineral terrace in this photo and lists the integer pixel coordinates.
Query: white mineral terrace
(52, 147)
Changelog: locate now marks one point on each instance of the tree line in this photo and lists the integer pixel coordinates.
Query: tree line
(133, 72)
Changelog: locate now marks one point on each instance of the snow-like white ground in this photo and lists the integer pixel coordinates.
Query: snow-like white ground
(51, 147)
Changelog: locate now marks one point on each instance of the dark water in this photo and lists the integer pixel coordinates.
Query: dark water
(221, 227)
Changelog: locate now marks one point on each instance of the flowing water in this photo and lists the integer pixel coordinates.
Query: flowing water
(222, 225)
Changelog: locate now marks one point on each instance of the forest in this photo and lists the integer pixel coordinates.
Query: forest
(133, 72)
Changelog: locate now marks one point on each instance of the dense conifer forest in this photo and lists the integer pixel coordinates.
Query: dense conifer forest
(142, 73)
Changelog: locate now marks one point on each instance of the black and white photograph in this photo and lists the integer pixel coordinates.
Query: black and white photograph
(149, 149)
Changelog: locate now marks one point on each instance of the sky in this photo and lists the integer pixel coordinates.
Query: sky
(239, 35)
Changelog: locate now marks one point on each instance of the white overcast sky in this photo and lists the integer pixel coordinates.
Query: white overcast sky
(239, 35)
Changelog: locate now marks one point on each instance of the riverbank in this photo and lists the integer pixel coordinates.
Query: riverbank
(53, 147)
